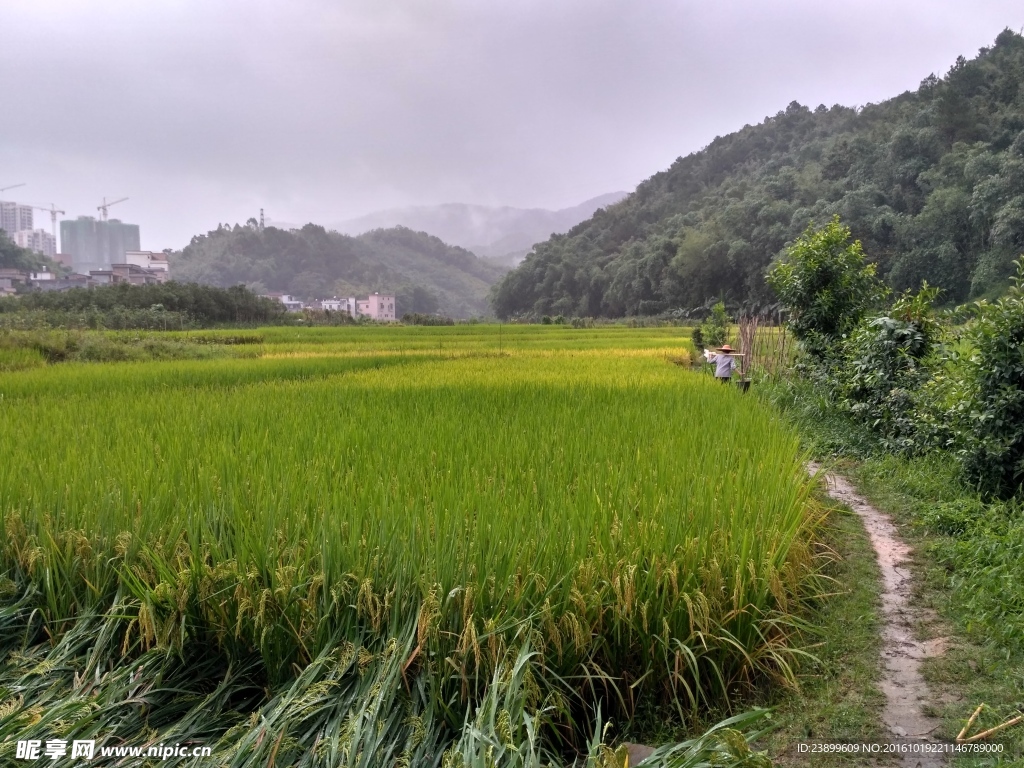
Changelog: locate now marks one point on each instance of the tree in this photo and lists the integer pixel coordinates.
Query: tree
(13, 256)
(825, 284)
(714, 331)
(417, 300)
(884, 361)
(994, 451)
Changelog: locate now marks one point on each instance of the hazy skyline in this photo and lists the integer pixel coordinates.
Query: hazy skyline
(314, 110)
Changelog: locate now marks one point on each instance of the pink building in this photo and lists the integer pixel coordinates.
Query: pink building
(377, 306)
(380, 306)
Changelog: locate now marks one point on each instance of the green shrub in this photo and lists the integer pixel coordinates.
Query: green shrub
(993, 449)
(979, 546)
(323, 317)
(714, 331)
(882, 365)
(28, 349)
(416, 318)
(167, 306)
(825, 285)
(93, 318)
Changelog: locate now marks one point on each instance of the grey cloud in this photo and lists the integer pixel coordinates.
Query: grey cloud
(203, 112)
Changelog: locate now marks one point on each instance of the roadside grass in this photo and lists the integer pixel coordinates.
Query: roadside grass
(976, 668)
(839, 698)
(967, 562)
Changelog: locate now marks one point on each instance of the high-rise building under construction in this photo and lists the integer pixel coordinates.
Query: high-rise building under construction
(95, 245)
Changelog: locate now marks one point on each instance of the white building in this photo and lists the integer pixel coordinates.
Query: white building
(15, 217)
(154, 261)
(38, 240)
(290, 302)
(335, 304)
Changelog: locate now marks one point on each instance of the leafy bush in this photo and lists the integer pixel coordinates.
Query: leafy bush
(966, 395)
(825, 284)
(325, 317)
(882, 364)
(714, 331)
(34, 348)
(993, 453)
(167, 306)
(415, 318)
(94, 318)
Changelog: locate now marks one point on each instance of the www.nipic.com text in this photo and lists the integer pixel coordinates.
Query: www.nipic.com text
(53, 749)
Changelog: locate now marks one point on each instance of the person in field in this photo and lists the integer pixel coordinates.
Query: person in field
(724, 359)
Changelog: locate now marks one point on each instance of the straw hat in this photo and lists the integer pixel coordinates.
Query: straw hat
(725, 348)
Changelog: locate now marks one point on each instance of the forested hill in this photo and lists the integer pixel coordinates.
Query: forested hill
(932, 183)
(13, 256)
(425, 274)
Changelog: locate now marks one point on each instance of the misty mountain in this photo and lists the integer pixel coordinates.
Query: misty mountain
(504, 235)
(931, 182)
(426, 274)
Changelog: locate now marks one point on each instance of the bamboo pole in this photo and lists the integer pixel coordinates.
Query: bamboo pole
(970, 722)
(990, 731)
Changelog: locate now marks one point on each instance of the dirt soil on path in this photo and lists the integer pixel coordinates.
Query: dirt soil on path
(906, 693)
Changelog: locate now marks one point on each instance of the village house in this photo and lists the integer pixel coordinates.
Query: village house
(376, 306)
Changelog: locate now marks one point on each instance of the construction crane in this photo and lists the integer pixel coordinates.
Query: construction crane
(53, 210)
(13, 186)
(103, 208)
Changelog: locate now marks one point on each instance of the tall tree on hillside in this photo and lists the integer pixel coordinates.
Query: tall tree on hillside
(825, 284)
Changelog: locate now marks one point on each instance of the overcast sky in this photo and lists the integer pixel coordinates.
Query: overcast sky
(204, 111)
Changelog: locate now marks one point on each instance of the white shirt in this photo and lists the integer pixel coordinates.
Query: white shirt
(725, 364)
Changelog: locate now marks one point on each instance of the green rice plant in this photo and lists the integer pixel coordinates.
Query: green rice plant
(645, 532)
(20, 359)
(351, 706)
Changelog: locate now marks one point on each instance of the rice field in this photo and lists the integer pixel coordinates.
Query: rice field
(362, 545)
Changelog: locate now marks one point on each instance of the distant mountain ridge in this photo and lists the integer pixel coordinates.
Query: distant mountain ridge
(500, 234)
(426, 274)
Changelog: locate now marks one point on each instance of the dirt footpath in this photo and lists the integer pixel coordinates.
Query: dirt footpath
(906, 693)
